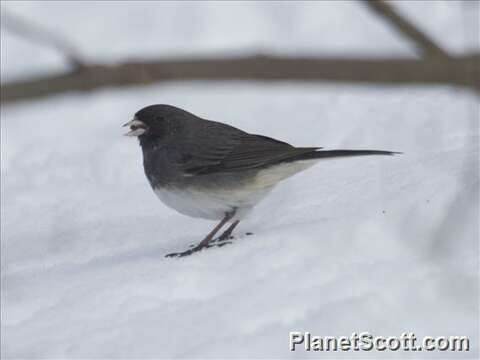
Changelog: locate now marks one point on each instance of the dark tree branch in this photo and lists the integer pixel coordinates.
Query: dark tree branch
(39, 35)
(425, 45)
(462, 71)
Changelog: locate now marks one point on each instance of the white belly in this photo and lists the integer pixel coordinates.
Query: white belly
(214, 203)
(210, 204)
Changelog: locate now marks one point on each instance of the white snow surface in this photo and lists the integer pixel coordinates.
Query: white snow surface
(379, 244)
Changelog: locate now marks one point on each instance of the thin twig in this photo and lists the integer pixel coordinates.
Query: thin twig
(424, 44)
(40, 35)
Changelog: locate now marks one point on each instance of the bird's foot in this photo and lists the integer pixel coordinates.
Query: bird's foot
(214, 243)
(220, 241)
(188, 252)
(179, 254)
(223, 238)
(195, 248)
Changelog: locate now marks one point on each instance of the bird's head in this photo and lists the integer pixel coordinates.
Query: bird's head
(155, 120)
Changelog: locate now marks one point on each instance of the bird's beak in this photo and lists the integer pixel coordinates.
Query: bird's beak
(137, 128)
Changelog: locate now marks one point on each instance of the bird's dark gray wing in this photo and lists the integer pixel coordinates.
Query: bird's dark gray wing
(202, 147)
(254, 152)
(219, 148)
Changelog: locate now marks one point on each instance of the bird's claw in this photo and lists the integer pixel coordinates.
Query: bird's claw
(180, 254)
(193, 249)
(222, 239)
(216, 242)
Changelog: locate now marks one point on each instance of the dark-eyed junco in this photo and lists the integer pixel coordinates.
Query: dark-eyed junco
(210, 170)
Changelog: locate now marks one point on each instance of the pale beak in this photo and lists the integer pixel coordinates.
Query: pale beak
(137, 128)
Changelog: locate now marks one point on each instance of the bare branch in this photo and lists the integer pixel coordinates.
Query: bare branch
(40, 35)
(424, 44)
(462, 71)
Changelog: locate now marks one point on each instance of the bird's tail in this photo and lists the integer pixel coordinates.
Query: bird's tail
(321, 154)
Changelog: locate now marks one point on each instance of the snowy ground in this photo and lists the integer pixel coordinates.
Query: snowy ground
(379, 244)
(384, 245)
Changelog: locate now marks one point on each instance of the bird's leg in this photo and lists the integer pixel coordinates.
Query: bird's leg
(227, 234)
(204, 243)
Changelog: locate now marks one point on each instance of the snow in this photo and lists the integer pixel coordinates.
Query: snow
(110, 32)
(376, 244)
(379, 244)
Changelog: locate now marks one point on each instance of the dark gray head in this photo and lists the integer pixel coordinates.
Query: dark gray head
(156, 121)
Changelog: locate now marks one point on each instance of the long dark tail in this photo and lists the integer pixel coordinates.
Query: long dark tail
(320, 154)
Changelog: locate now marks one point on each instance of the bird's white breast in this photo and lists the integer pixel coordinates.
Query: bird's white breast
(210, 204)
(214, 202)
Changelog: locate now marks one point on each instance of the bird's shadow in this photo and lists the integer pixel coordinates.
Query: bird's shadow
(155, 252)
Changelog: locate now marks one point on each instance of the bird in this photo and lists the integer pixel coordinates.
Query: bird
(211, 170)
